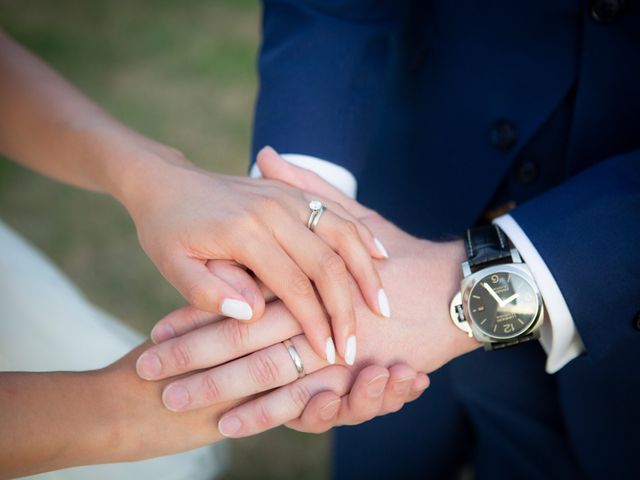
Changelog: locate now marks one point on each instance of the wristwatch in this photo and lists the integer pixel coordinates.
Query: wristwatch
(499, 302)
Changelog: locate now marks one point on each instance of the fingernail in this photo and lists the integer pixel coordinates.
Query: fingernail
(350, 351)
(229, 426)
(236, 309)
(269, 148)
(175, 397)
(162, 332)
(402, 387)
(330, 410)
(330, 351)
(383, 303)
(376, 386)
(380, 247)
(148, 366)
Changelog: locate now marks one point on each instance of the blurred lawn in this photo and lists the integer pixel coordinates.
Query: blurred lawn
(181, 72)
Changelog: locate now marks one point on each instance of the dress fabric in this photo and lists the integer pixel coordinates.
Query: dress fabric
(46, 324)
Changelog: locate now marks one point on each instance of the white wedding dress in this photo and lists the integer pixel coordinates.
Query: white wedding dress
(47, 324)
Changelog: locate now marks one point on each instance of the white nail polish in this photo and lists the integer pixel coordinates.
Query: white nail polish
(236, 309)
(380, 247)
(330, 351)
(383, 303)
(350, 351)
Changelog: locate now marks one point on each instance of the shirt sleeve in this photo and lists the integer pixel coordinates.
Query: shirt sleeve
(559, 335)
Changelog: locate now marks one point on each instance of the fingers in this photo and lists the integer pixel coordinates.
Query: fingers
(401, 381)
(292, 285)
(181, 321)
(205, 291)
(320, 414)
(188, 318)
(215, 344)
(375, 246)
(345, 238)
(284, 404)
(329, 274)
(263, 370)
(236, 276)
(365, 400)
(275, 167)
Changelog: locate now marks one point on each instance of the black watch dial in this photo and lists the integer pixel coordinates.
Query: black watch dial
(503, 305)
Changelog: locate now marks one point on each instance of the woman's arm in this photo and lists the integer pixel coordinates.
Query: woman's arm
(47, 125)
(55, 420)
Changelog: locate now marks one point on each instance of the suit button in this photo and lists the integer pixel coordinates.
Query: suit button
(605, 11)
(636, 321)
(504, 135)
(527, 172)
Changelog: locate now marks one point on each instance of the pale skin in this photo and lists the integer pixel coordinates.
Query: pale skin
(56, 420)
(104, 415)
(421, 278)
(50, 127)
(61, 419)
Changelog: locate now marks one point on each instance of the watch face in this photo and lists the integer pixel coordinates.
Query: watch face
(503, 305)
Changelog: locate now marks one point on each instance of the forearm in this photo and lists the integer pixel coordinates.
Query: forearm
(51, 420)
(61, 419)
(49, 126)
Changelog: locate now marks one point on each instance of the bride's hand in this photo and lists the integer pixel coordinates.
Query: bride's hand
(186, 217)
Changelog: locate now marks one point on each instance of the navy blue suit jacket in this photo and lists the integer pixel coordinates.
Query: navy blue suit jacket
(444, 109)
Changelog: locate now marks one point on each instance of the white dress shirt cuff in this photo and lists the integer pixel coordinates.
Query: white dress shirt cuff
(336, 175)
(559, 336)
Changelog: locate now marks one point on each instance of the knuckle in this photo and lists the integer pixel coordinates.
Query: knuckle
(348, 230)
(393, 408)
(210, 389)
(300, 395)
(263, 417)
(181, 355)
(263, 370)
(300, 285)
(237, 333)
(333, 265)
(269, 205)
(198, 296)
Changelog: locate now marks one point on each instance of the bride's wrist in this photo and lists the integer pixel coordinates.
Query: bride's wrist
(139, 168)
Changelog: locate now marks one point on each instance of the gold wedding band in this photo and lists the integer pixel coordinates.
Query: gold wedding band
(297, 361)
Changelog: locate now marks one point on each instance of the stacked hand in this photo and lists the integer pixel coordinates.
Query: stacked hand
(249, 358)
(187, 217)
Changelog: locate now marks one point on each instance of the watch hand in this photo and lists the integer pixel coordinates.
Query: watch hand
(492, 293)
(510, 299)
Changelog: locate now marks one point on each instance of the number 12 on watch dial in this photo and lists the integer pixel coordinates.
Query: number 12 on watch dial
(503, 305)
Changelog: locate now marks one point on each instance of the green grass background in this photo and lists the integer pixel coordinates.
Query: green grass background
(182, 72)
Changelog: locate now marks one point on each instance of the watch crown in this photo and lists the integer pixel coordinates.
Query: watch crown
(457, 314)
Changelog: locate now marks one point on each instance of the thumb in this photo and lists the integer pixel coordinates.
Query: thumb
(274, 167)
(206, 291)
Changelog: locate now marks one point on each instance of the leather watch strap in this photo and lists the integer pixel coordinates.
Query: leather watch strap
(486, 245)
(515, 341)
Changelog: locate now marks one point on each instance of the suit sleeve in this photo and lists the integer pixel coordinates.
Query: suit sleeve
(322, 68)
(587, 230)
